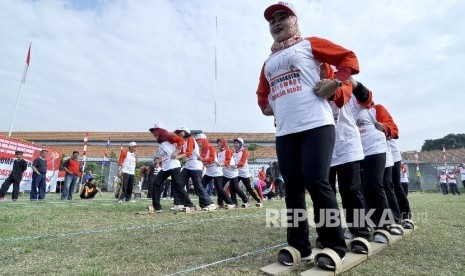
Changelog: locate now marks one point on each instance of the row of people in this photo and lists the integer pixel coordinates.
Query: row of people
(222, 167)
(326, 124)
(448, 180)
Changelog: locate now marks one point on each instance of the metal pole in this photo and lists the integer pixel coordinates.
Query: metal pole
(16, 108)
(216, 71)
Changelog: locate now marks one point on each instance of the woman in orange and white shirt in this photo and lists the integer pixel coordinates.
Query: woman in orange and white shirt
(169, 146)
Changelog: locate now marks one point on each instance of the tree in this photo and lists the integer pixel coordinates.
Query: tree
(252, 147)
(450, 141)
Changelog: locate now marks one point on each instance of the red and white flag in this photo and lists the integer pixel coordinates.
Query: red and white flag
(444, 151)
(84, 151)
(28, 60)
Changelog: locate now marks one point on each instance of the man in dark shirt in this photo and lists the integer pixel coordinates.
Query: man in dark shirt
(39, 168)
(19, 166)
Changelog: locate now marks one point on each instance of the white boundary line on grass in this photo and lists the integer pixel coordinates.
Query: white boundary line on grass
(109, 230)
(189, 270)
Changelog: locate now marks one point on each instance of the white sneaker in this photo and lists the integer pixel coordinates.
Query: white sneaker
(210, 207)
(309, 258)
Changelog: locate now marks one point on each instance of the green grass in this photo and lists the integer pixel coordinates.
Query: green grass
(101, 237)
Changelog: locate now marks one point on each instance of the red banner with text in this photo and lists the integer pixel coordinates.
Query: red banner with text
(31, 151)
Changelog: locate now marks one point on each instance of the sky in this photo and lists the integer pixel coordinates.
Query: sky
(123, 65)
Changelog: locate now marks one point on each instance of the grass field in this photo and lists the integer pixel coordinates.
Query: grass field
(100, 237)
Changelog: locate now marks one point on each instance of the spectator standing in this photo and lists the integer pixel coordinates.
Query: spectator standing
(461, 170)
(73, 172)
(126, 170)
(404, 177)
(442, 179)
(39, 173)
(452, 180)
(19, 167)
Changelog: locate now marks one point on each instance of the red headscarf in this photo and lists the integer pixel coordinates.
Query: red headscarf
(163, 135)
(224, 144)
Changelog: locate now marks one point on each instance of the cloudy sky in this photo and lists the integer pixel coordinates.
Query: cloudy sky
(122, 65)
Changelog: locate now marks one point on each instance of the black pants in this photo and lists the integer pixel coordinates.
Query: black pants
(279, 186)
(463, 183)
(401, 195)
(218, 182)
(166, 187)
(405, 187)
(234, 190)
(6, 185)
(195, 175)
(373, 189)
(454, 189)
(391, 194)
(175, 186)
(350, 188)
(250, 189)
(304, 160)
(127, 183)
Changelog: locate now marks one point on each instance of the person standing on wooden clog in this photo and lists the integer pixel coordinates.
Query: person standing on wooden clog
(290, 89)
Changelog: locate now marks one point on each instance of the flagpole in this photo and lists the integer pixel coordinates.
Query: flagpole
(216, 74)
(23, 80)
(16, 108)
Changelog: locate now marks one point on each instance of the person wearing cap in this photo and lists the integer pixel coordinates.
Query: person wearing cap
(442, 179)
(169, 146)
(192, 167)
(212, 169)
(240, 156)
(461, 170)
(230, 173)
(452, 180)
(90, 189)
(39, 172)
(15, 176)
(126, 169)
(72, 168)
(289, 89)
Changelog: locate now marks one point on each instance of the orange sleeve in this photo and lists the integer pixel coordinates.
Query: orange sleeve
(244, 156)
(263, 90)
(326, 51)
(383, 116)
(190, 146)
(122, 157)
(343, 94)
(212, 155)
(175, 139)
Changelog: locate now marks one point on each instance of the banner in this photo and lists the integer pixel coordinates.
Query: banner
(31, 151)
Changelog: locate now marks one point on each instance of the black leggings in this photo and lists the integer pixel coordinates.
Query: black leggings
(372, 184)
(195, 175)
(401, 194)
(304, 160)
(218, 182)
(250, 189)
(175, 186)
(350, 188)
(234, 190)
(391, 195)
